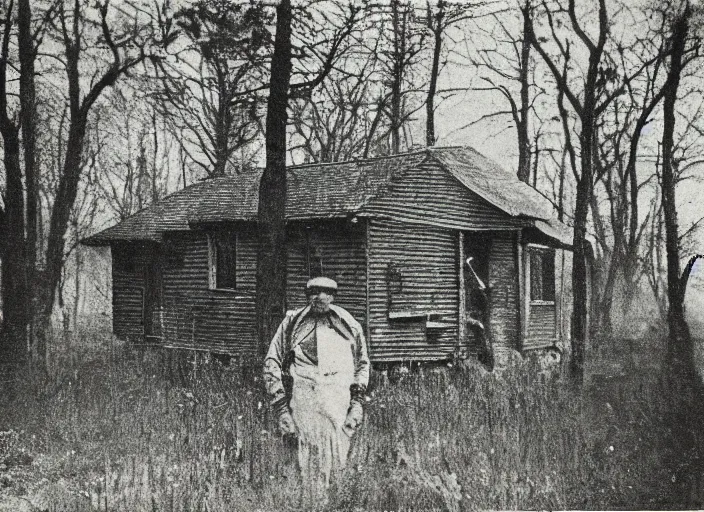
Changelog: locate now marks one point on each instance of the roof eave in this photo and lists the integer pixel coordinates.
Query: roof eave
(106, 241)
(559, 236)
(93, 242)
(512, 212)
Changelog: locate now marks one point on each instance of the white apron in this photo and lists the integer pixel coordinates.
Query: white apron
(319, 404)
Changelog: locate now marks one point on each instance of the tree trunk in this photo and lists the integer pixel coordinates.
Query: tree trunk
(437, 29)
(580, 251)
(61, 212)
(77, 278)
(399, 52)
(271, 268)
(603, 304)
(630, 265)
(222, 128)
(579, 282)
(685, 388)
(679, 340)
(522, 125)
(603, 275)
(14, 283)
(27, 56)
(631, 279)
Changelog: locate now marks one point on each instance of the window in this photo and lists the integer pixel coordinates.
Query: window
(542, 274)
(312, 251)
(125, 260)
(222, 255)
(315, 261)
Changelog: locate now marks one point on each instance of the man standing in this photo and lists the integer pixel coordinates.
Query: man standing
(316, 373)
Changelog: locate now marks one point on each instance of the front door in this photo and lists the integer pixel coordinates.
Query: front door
(477, 248)
(152, 296)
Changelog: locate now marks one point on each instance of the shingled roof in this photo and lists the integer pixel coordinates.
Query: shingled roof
(314, 191)
(328, 191)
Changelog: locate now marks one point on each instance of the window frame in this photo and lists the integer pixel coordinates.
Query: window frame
(314, 263)
(542, 250)
(213, 259)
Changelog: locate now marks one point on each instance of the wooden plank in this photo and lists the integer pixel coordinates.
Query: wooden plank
(129, 263)
(428, 194)
(366, 282)
(341, 247)
(542, 323)
(526, 295)
(419, 313)
(559, 294)
(427, 257)
(197, 317)
(503, 313)
(521, 291)
(436, 324)
(462, 297)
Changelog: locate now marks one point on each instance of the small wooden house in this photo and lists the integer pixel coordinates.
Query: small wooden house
(394, 232)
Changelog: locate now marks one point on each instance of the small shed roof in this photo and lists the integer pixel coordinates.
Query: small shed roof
(331, 190)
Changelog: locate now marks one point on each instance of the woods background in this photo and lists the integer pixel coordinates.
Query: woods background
(107, 107)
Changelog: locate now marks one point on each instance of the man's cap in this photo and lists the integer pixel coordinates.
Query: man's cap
(324, 283)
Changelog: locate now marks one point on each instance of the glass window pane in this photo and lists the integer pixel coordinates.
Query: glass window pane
(536, 275)
(225, 260)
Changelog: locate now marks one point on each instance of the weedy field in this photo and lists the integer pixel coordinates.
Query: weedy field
(117, 429)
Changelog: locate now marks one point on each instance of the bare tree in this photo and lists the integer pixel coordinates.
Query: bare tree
(333, 124)
(588, 110)
(90, 47)
(18, 218)
(204, 87)
(681, 352)
(504, 62)
(132, 149)
(271, 263)
(343, 118)
(588, 96)
(127, 47)
(685, 385)
(441, 17)
(401, 38)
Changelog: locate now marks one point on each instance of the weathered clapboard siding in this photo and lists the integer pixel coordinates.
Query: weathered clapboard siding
(427, 194)
(426, 258)
(541, 326)
(503, 283)
(340, 245)
(217, 320)
(128, 289)
(194, 316)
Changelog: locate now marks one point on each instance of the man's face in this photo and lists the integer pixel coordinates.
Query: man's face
(320, 299)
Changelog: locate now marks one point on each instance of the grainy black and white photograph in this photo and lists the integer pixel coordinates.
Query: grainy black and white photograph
(351, 255)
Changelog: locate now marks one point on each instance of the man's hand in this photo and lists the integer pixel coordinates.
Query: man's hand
(286, 424)
(355, 414)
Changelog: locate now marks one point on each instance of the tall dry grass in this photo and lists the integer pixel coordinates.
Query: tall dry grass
(120, 429)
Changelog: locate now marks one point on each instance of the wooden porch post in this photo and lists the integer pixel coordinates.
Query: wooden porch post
(523, 290)
(462, 327)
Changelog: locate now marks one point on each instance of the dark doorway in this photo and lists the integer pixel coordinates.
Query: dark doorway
(152, 295)
(477, 248)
